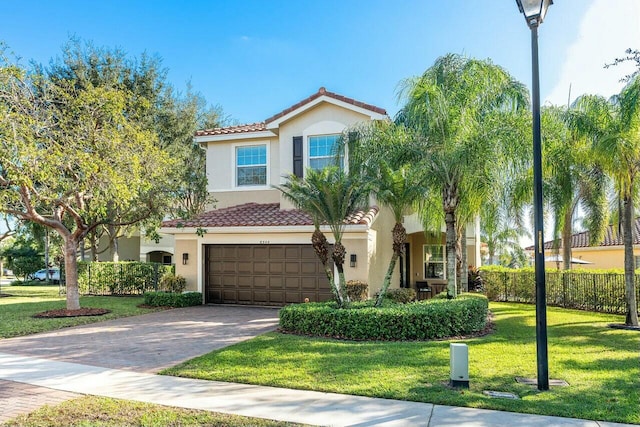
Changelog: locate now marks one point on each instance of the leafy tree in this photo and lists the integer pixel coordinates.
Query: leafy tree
(70, 156)
(451, 109)
(329, 196)
(498, 233)
(23, 256)
(157, 108)
(632, 55)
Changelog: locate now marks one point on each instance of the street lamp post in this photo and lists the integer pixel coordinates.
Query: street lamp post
(534, 12)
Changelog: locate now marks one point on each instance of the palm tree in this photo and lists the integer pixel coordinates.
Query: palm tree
(618, 147)
(452, 109)
(329, 196)
(573, 177)
(378, 154)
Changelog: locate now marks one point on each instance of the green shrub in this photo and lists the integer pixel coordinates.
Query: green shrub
(172, 299)
(169, 282)
(357, 290)
(428, 319)
(401, 295)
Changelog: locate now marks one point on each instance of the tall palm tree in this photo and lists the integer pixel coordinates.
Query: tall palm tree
(618, 147)
(329, 196)
(451, 108)
(573, 178)
(377, 153)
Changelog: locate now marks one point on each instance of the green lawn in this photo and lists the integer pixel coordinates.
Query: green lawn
(101, 411)
(25, 301)
(601, 365)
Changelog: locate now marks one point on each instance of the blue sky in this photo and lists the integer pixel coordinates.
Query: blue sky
(255, 58)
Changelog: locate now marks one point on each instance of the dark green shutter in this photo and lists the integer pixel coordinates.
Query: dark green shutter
(297, 157)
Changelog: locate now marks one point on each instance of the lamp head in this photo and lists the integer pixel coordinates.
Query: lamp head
(534, 11)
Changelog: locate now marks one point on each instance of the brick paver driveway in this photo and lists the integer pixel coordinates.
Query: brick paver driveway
(150, 342)
(146, 343)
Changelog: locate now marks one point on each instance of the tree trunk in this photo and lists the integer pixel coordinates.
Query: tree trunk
(464, 274)
(71, 272)
(629, 279)
(113, 243)
(567, 239)
(450, 221)
(387, 279)
(93, 241)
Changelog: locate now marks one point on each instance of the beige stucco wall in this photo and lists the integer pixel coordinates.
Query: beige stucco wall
(190, 270)
(380, 244)
(128, 249)
(221, 162)
(602, 257)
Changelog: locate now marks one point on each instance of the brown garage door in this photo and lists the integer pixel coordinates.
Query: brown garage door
(264, 274)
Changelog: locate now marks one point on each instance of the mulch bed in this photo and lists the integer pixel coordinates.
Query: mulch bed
(623, 326)
(51, 314)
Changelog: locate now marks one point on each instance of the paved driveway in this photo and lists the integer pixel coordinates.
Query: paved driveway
(150, 342)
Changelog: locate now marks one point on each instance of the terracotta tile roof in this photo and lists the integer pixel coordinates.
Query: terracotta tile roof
(260, 126)
(261, 215)
(252, 127)
(611, 238)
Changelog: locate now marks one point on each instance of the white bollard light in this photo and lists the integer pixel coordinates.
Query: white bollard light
(459, 360)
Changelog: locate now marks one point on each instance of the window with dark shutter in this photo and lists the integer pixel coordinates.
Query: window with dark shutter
(297, 157)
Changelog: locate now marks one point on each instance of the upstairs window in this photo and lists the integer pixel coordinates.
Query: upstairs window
(251, 165)
(322, 150)
(434, 262)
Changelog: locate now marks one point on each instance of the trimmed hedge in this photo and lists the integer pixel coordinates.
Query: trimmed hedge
(401, 295)
(120, 278)
(594, 290)
(172, 299)
(423, 320)
(357, 290)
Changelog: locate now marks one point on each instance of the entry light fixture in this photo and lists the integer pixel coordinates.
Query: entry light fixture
(353, 260)
(185, 258)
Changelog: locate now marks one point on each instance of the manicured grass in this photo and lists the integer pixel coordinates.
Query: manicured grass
(104, 412)
(25, 301)
(600, 364)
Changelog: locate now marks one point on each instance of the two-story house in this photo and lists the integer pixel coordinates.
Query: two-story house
(255, 247)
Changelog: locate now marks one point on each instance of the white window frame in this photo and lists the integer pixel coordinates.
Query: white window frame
(234, 160)
(426, 262)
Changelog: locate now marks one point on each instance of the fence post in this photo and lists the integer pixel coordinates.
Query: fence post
(595, 294)
(155, 276)
(504, 279)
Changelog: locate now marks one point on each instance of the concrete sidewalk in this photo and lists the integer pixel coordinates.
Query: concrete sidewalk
(257, 401)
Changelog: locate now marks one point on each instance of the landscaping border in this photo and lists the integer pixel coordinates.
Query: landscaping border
(422, 320)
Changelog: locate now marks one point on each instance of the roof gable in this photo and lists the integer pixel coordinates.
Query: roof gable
(272, 123)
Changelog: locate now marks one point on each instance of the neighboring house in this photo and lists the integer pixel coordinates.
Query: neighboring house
(609, 253)
(255, 248)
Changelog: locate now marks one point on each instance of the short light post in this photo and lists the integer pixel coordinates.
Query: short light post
(534, 12)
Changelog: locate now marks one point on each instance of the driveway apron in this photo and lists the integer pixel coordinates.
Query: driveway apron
(150, 342)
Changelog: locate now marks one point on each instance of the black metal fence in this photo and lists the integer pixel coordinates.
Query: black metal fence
(119, 278)
(603, 292)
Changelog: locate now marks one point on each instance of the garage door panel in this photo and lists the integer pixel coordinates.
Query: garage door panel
(264, 274)
(260, 267)
(276, 252)
(276, 267)
(292, 267)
